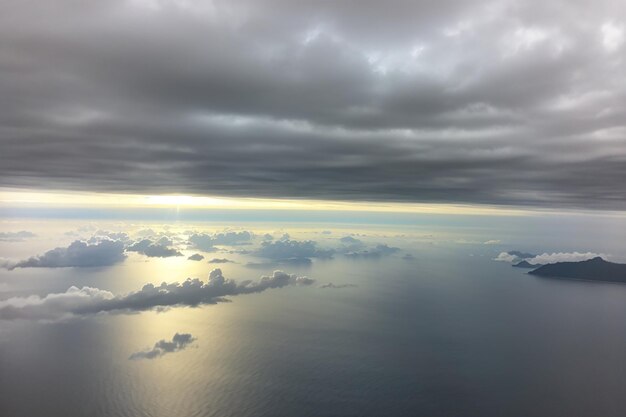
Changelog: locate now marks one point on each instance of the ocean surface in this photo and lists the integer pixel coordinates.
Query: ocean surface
(437, 328)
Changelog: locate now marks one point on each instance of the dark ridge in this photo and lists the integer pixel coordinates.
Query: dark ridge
(596, 269)
(525, 264)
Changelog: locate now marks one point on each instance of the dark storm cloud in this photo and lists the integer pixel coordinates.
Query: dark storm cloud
(179, 342)
(478, 101)
(191, 293)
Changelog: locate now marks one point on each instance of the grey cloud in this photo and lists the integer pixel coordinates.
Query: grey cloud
(481, 101)
(220, 261)
(179, 342)
(196, 257)
(157, 249)
(378, 251)
(191, 293)
(77, 254)
(15, 236)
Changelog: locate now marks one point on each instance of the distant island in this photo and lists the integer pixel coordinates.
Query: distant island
(525, 264)
(596, 269)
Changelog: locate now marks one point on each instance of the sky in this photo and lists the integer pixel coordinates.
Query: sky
(517, 104)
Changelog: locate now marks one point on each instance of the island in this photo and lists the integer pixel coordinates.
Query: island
(596, 269)
(525, 264)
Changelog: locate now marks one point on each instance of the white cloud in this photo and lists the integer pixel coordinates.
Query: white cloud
(550, 258)
(505, 257)
(192, 292)
(492, 242)
(179, 342)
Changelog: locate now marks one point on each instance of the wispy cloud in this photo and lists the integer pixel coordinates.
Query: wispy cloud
(179, 342)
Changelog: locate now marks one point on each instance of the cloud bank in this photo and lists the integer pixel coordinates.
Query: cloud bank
(179, 342)
(77, 254)
(475, 101)
(191, 293)
(550, 258)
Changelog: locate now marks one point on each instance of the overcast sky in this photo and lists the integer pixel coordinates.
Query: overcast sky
(454, 101)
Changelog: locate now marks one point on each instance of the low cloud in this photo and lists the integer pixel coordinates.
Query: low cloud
(192, 292)
(295, 262)
(513, 256)
(196, 257)
(207, 243)
(331, 285)
(159, 249)
(377, 252)
(220, 261)
(77, 254)
(550, 258)
(179, 342)
(292, 249)
(15, 236)
(492, 242)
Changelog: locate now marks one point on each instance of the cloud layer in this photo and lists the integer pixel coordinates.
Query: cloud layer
(478, 101)
(192, 292)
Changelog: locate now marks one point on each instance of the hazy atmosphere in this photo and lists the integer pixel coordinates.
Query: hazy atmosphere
(312, 208)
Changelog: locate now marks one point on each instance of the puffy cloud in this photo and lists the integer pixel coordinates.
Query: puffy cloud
(15, 236)
(192, 292)
(513, 256)
(108, 235)
(179, 342)
(207, 243)
(196, 257)
(158, 249)
(77, 254)
(292, 249)
(550, 258)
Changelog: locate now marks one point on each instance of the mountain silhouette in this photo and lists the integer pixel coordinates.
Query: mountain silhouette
(596, 269)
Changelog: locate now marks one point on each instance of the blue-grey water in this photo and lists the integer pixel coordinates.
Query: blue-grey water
(449, 332)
